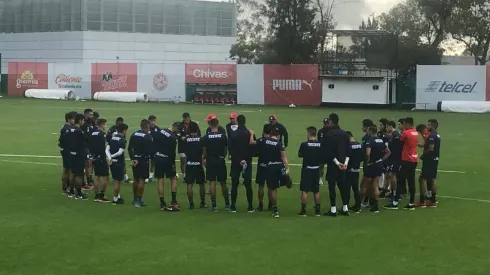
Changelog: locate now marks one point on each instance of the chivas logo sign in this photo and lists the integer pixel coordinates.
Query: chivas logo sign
(64, 81)
(26, 79)
(160, 82)
(110, 84)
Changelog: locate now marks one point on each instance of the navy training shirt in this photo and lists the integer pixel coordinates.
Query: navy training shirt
(356, 156)
(63, 132)
(140, 145)
(97, 143)
(215, 144)
(434, 139)
(165, 143)
(193, 150)
(311, 153)
(115, 143)
(378, 147)
(272, 149)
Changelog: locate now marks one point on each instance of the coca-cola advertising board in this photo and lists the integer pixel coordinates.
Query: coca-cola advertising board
(26, 75)
(114, 77)
(162, 82)
(210, 73)
(296, 84)
(71, 76)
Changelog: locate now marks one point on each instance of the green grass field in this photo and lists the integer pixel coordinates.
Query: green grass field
(44, 232)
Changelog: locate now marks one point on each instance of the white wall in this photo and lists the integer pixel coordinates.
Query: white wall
(91, 47)
(71, 76)
(250, 84)
(356, 91)
(155, 48)
(63, 47)
(163, 82)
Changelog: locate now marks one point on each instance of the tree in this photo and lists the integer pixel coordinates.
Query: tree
(324, 24)
(438, 14)
(471, 26)
(294, 38)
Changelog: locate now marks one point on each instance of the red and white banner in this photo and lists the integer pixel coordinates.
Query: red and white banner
(26, 75)
(72, 76)
(114, 77)
(210, 73)
(292, 84)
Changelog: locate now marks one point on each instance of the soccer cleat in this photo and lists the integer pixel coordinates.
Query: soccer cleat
(318, 213)
(119, 201)
(355, 209)
(103, 200)
(227, 207)
(431, 204)
(275, 215)
(174, 207)
(367, 205)
(409, 207)
(330, 214)
(391, 206)
(420, 205)
(250, 210)
(214, 209)
(302, 213)
(344, 213)
(163, 207)
(233, 209)
(71, 195)
(374, 209)
(87, 187)
(203, 205)
(82, 196)
(260, 208)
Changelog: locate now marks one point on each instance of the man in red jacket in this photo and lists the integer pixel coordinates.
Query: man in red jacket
(410, 139)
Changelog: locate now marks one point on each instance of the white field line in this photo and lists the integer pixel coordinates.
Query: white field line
(291, 164)
(57, 164)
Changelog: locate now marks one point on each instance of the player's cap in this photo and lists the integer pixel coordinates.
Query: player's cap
(272, 118)
(210, 117)
(233, 115)
(325, 121)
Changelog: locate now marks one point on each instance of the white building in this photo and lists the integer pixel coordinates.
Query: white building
(139, 31)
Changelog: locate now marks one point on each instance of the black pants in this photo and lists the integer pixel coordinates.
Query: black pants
(407, 174)
(337, 177)
(353, 182)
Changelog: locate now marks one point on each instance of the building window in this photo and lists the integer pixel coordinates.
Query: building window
(93, 26)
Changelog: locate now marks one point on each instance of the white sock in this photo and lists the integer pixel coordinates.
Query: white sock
(115, 198)
(126, 177)
(151, 175)
(333, 209)
(119, 196)
(345, 208)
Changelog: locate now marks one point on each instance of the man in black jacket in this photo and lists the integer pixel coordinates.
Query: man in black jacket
(321, 136)
(284, 138)
(337, 148)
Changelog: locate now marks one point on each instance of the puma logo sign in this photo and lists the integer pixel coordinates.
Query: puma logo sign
(309, 84)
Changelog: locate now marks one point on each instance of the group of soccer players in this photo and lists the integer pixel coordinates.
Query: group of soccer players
(385, 153)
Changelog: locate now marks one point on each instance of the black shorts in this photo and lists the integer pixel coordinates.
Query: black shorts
(164, 167)
(77, 165)
(65, 157)
(180, 148)
(429, 169)
(261, 175)
(334, 174)
(194, 174)
(374, 170)
(391, 168)
(310, 180)
(117, 171)
(101, 168)
(216, 170)
(142, 169)
(275, 177)
(236, 169)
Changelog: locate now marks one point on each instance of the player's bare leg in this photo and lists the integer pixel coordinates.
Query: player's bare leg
(304, 202)
(212, 192)
(116, 191)
(202, 194)
(260, 197)
(190, 196)
(140, 191)
(433, 199)
(273, 200)
(182, 165)
(375, 195)
(423, 191)
(393, 205)
(160, 188)
(363, 190)
(65, 181)
(225, 193)
(316, 196)
(96, 188)
(103, 187)
(152, 170)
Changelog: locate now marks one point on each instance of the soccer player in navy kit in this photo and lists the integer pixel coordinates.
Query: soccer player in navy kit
(65, 175)
(261, 174)
(140, 149)
(430, 163)
(277, 165)
(366, 123)
(313, 157)
(97, 152)
(87, 128)
(194, 172)
(185, 131)
(115, 158)
(356, 156)
(75, 144)
(376, 152)
(392, 163)
(165, 143)
(214, 149)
